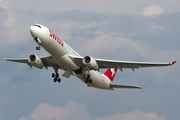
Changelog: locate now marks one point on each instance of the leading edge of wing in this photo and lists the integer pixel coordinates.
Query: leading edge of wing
(124, 86)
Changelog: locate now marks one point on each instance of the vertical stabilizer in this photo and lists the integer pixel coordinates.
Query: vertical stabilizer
(111, 74)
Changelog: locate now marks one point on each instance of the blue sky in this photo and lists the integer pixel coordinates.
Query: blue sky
(119, 30)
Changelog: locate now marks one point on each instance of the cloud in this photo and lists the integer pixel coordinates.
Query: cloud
(113, 44)
(135, 115)
(107, 42)
(103, 6)
(10, 18)
(72, 111)
(153, 10)
(156, 26)
(1, 117)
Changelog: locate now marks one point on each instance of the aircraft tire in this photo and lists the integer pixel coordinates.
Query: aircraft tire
(57, 75)
(59, 80)
(53, 75)
(37, 48)
(87, 77)
(90, 81)
(84, 76)
(55, 79)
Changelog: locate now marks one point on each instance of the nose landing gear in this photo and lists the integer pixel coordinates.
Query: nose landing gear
(38, 41)
(38, 47)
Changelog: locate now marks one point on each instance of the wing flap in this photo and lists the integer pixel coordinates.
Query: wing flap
(124, 86)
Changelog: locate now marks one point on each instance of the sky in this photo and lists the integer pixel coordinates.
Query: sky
(143, 31)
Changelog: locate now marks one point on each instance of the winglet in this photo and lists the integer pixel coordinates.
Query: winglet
(172, 63)
(4, 57)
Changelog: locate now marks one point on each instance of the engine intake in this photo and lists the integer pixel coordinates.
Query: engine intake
(35, 61)
(90, 63)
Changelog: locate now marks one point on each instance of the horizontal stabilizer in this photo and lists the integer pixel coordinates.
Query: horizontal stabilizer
(124, 86)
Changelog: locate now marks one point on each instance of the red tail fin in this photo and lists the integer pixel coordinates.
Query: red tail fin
(111, 74)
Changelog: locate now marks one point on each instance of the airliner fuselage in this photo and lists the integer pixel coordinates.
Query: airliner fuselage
(61, 53)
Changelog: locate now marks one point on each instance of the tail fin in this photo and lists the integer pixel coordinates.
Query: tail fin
(111, 74)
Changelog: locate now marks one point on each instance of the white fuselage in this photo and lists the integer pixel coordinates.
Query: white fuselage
(60, 51)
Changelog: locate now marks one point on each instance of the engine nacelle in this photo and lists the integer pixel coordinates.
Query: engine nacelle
(35, 61)
(90, 63)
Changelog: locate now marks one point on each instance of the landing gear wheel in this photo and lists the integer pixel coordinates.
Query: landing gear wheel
(59, 80)
(90, 81)
(57, 75)
(38, 48)
(53, 75)
(55, 79)
(86, 76)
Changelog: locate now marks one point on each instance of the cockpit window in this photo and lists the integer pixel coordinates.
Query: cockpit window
(38, 26)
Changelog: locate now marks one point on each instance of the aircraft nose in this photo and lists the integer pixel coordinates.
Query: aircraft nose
(33, 31)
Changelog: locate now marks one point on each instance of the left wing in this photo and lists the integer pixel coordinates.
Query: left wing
(102, 63)
(23, 60)
(47, 61)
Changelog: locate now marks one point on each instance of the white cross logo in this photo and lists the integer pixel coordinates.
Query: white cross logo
(113, 72)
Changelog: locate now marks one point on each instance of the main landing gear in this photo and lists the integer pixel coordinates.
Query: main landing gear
(87, 78)
(56, 75)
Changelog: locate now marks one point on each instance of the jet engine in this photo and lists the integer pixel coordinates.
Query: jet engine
(35, 61)
(90, 63)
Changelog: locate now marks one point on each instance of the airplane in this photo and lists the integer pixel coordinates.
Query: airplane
(85, 68)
